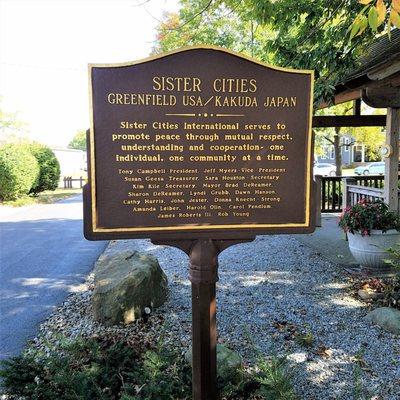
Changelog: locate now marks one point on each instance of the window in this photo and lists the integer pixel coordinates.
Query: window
(346, 143)
(358, 149)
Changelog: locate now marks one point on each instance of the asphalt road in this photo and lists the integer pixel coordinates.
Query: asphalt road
(43, 258)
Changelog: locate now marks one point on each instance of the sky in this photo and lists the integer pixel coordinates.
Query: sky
(45, 46)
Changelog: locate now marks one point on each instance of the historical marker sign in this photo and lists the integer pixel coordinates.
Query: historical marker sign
(199, 149)
(199, 143)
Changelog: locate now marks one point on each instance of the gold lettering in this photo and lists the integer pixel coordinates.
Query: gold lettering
(280, 101)
(234, 85)
(170, 83)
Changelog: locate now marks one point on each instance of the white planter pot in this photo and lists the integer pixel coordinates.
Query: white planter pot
(369, 251)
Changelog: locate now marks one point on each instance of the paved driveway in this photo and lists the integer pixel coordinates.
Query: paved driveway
(43, 257)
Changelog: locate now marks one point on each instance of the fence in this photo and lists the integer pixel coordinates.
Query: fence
(69, 182)
(331, 189)
(354, 192)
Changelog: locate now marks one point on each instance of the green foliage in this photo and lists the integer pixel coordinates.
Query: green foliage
(376, 15)
(46, 197)
(371, 136)
(357, 374)
(367, 215)
(163, 376)
(49, 166)
(104, 369)
(83, 369)
(11, 127)
(333, 136)
(313, 35)
(19, 170)
(78, 141)
(275, 379)
(391, 292)
(305, 340)
(289, 33)
(394, 259)
(214, 23)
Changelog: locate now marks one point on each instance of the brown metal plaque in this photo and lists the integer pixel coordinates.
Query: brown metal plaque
(200, 142)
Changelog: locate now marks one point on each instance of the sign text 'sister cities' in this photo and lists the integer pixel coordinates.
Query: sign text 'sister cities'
(200, 140)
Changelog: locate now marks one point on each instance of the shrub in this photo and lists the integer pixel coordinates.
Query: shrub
(105, 368)
(19, 170)
(49, 168)
(83, 369)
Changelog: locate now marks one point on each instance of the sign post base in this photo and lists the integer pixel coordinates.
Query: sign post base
(203, 275)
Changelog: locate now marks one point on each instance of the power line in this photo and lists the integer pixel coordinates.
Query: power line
(43, 67)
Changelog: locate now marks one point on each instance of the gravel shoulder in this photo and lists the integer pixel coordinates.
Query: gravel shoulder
(272, 292)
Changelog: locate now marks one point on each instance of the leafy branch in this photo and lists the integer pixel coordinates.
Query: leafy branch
(374, 14)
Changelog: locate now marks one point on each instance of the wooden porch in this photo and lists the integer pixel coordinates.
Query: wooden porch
(377, 83)
(353, 193)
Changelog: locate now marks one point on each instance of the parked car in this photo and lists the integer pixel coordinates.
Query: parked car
(375, 168)
(324, 169)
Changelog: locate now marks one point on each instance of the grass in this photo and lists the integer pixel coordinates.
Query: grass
(45, 197)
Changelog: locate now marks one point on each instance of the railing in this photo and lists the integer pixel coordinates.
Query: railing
(375, 181)
(68, 182)
(354, 192)
(331, 189)
(331, 194)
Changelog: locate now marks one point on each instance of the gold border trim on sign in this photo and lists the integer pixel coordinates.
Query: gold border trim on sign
(199, 227)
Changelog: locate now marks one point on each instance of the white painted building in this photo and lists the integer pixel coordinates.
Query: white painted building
(72, 162)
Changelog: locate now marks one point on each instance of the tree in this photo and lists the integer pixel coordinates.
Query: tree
(377, 15)
(313, 35)
(12, 129)
(371, 137)
(78, 141)
(208, 22)
(18, 170)
(49, 168)
(334, 136)
(289, 33)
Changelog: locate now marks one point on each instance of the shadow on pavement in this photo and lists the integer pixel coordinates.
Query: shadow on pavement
(42, 261)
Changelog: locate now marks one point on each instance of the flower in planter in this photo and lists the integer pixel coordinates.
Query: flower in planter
(369, 215)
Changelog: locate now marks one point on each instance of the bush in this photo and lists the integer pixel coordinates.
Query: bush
(19, 170)
(82, 370)
(49, 168)
(105, 368)
(96, 369)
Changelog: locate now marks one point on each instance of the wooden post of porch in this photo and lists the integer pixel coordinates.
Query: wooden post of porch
(346, 200)
(318, 203)
(392, 162)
